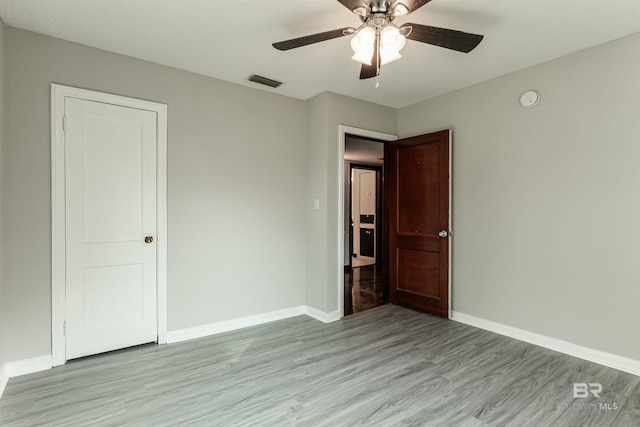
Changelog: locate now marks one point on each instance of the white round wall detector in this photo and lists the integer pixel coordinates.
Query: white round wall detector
(529, 99)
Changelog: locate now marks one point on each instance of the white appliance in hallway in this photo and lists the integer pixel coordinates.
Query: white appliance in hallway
(363, 216)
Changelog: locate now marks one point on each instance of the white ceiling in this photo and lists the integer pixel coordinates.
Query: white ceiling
(231, 39)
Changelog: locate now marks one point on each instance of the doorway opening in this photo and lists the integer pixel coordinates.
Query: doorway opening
(364, 283)
(419, 240)
(342, 213)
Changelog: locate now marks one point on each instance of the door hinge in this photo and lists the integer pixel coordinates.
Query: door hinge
(64, 123)
(64, 327)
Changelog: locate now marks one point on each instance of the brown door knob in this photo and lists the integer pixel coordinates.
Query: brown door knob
(148, 239)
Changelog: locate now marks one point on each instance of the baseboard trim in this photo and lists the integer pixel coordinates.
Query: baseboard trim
(4, 379)
(233, 324)
(245, 322)
(321, 315)
(28, 366)
(603, 358)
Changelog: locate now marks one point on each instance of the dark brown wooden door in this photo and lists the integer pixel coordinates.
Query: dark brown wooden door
(418, 203)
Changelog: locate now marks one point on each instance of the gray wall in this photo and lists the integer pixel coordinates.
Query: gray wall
(236, 190)
(317, 164)
(326, 112)
(546, 201)
(2, 181)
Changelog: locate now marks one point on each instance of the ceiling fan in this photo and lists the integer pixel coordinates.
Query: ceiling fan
(378, 41)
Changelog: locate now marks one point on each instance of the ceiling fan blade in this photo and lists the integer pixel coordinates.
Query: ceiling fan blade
(369, 71)
(411, 4)
(443, 37)
(313, 38)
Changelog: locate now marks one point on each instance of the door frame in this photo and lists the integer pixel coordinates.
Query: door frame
(58, 214)
(343, 130)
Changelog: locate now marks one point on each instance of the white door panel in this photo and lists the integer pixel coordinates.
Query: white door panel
(112, 159)
(103, 288)
(110, 183)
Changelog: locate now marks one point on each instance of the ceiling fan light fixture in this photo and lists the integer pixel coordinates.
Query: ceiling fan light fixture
(363, 44)
(391, 39)
(387, 56)
(363, 57)
(391, 42)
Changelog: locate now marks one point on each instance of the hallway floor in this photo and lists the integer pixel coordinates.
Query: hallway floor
(362, 288)
(361, 261)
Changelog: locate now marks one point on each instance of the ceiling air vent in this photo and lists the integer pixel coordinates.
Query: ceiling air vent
(264, 81)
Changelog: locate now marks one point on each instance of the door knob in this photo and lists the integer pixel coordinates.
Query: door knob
(443, 233)
(148, 239)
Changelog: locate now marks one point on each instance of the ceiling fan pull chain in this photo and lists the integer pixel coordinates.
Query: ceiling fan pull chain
(378, 58)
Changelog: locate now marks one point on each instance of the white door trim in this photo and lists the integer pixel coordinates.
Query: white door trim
(58, 244)
(342, 132)
(450, 275)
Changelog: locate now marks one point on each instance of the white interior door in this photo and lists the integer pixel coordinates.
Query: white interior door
(110, 187)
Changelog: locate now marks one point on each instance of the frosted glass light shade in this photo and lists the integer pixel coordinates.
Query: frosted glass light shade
(391, 39)
(362, 44)
(387, 56)
(363, 56)
(391, 42)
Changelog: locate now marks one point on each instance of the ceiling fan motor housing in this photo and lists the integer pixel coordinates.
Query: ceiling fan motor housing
(380, 6)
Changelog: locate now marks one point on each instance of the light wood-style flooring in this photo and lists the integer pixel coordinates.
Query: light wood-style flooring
(386, 366)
